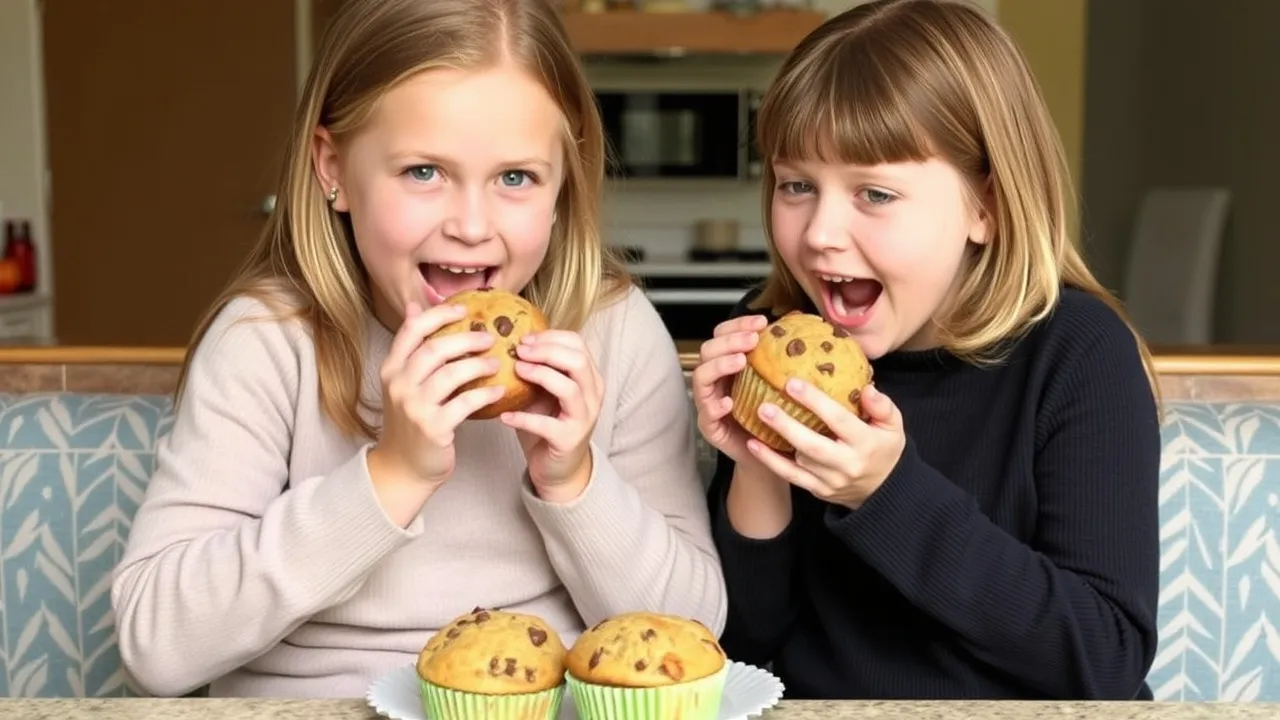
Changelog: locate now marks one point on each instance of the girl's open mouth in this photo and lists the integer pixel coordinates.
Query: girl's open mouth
(849, 300)
(446, 280)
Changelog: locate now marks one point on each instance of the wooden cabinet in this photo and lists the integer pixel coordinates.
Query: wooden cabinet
(649, 33)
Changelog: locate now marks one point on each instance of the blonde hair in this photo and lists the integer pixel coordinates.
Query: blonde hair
(908, 80)
(305, 264)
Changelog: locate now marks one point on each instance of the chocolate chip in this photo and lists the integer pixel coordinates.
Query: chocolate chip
(648, 635)
(530, 674)
(453, 633)
(777, 331)
(477, 326)
(494, 664)
(477, 609)
(595, 658)
(795, 348)
(511, 351)
(510, 669)
(854, 397)
(672, 667)
(641, 665)
(827, 368)
(839, 332)
(537, 636)
(503, 325)
(827, 346)
(482, 616)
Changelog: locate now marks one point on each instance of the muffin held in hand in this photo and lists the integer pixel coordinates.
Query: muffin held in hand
(806, 347)
(508, 317)
(647, 666)
(493, 664)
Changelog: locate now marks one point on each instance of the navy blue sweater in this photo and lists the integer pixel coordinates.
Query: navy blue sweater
(1013, 552)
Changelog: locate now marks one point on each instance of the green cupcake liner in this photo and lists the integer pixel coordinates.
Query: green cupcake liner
(441, 703)
(695, 700)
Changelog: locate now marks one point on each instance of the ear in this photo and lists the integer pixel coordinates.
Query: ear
(326, 163)
(982, 225)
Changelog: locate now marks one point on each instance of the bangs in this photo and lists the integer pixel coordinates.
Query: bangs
(851, 107)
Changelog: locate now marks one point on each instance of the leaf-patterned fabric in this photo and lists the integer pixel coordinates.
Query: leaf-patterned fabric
(74, 467)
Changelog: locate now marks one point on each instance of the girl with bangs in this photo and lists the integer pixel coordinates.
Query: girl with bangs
(321, 506)
(991, 530)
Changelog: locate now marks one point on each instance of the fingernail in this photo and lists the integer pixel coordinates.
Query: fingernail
(767, 411)
(795, 387)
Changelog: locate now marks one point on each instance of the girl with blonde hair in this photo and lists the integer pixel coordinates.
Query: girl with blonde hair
(322, 505)
(990, 530)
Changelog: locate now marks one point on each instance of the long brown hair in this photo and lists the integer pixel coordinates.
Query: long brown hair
(305, 266)
(907, 80)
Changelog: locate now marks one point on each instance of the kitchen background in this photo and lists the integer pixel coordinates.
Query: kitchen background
(138, 141)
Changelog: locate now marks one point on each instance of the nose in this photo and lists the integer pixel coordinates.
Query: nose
(830, 226)
(468, 218)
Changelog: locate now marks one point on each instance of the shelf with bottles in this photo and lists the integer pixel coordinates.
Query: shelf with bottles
(688, 27)
(18, 259)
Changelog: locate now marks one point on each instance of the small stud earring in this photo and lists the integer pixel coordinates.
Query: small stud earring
(333, 195)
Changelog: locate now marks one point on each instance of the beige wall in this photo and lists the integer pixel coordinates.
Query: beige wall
(1052, 35)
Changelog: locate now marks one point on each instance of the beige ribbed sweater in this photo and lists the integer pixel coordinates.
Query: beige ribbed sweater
(229, 579)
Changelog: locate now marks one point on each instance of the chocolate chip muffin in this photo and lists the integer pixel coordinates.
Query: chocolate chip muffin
(508, 317)
(493, 664)
(807, 347)
(643, 665)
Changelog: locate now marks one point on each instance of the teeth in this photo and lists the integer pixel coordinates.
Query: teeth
(836, 278)
(461, 270)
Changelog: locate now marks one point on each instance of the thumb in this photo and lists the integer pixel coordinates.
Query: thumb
(880, 409)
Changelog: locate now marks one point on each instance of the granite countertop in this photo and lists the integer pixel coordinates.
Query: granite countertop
(236, 709)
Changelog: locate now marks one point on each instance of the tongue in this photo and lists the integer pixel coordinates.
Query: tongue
(448, 284)
(859, 293)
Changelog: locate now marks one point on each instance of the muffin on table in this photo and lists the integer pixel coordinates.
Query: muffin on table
(493, 665)
(806, 347)
(647, 666)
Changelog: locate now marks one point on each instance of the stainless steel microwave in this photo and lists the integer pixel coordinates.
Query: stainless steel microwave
(680, 133)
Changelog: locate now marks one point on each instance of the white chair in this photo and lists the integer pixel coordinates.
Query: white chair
(1172, 273)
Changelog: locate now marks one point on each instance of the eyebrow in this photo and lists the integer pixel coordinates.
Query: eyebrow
(444, 160)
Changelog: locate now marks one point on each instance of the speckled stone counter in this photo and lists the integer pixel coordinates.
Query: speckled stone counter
(192, 709)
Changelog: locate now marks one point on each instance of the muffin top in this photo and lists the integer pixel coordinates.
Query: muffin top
(807, 347)
(494, 652)
(641, 649)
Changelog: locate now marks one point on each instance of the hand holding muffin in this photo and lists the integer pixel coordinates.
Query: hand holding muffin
(818, 422)
(720, 360)
(555, 430)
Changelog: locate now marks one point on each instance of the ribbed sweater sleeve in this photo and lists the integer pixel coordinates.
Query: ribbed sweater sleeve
(222, 562)
(762, 606)
(638, 537)
(1072, 614)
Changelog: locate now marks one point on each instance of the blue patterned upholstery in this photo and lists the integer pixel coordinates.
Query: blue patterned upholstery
(73, 469)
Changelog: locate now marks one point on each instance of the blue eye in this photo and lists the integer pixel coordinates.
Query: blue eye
(796, 187)
(422, 173)
(877, 197)
(513, 178)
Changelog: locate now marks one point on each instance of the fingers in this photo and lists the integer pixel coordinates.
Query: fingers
(844, 423)
(461, 407)
(786, 468)
(728, 344)
(558, 384)
(746, 323)
(706, 378)
(804, 440)
(879, 408)
(432, 355)
(445, 381)
(565, 352)
(416, 326)
(546, 427)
